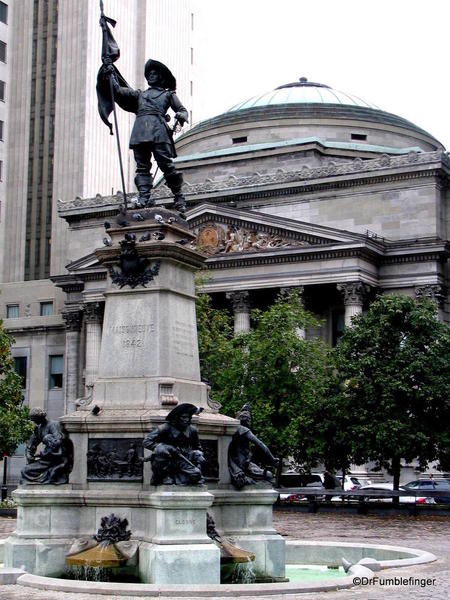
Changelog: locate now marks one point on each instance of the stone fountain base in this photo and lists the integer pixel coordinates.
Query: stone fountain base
(168, 522)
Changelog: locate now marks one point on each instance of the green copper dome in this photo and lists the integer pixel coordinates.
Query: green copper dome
(302, 92)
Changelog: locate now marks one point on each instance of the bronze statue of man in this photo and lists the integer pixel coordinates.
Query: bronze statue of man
(242, 470)
(177, 457)
(151, 134)
(55, 462)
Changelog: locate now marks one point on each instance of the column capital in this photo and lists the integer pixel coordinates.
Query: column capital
(93, 312)
(240, 301)
(434, 292)
(353, 292)
(300, 289)
(73, 319)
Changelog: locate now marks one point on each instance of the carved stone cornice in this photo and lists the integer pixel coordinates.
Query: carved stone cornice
(436, 293)
(353, 292)
(240, 301)
(73, 319)
(93, 312)
(372, 168)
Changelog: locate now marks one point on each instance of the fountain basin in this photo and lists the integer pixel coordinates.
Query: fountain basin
(298, 552)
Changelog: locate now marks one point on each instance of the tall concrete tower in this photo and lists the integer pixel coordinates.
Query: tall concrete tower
(4, 91)
(58, 148)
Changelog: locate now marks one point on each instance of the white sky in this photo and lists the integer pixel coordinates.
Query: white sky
(392, 53)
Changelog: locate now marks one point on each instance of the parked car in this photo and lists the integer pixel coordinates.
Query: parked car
(298, 480)
(434, 485)
(373, 487)
(350, 482)
(312, 480)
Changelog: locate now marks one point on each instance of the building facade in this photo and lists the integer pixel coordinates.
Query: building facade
(303, 187)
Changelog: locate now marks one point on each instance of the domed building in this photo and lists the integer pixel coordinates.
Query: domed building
(310, 187)
(305, 187)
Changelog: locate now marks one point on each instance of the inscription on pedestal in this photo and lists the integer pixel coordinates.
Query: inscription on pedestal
(132, 336)
(110, 459)
(185, 521)
(183, 336)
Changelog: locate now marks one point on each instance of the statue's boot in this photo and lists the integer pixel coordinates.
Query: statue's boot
(144, 184)
(174, 182)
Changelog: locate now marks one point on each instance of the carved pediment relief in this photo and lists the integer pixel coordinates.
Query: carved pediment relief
(218, 238)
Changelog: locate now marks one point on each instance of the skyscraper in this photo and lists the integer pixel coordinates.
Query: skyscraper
(4, 29)
(58, 148)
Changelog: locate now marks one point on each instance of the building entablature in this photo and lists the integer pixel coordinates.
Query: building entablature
(276, 182)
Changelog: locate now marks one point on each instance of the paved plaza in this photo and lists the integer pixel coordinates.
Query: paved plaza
(430, 533)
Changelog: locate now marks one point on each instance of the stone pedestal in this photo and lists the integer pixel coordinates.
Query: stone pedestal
(169, 523)
(180, 551)
(148, 363)
(245, 516)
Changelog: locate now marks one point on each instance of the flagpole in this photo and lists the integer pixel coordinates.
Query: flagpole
(118, 143)
(111, 88)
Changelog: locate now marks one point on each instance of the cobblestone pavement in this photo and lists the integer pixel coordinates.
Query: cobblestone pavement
(430, 533)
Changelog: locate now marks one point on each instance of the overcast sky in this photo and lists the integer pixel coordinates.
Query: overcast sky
(391, 53)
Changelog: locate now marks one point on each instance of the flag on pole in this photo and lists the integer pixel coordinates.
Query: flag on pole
(110, 53)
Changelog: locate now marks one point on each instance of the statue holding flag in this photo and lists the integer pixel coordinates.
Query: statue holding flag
(151, 134)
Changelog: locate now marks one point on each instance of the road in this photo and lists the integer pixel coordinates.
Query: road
(430, 533)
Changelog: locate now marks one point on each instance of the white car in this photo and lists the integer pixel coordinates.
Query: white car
(389, 487)
(350, 482)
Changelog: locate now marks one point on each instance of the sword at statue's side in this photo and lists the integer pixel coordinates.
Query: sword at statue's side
(110, 52)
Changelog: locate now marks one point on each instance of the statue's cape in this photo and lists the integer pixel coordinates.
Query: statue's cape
(105, 103)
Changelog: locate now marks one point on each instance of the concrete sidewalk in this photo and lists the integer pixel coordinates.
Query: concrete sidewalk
(430, 533)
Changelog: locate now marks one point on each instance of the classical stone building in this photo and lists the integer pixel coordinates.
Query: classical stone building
(302, 187)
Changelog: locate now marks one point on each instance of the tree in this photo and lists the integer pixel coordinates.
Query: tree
(270, 366)
(393, 384)
(15, 427)
(215, 330)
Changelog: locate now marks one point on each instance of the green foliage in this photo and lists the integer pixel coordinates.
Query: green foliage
(215, 329)
(15, 427)
(271, 367)
(391, 393)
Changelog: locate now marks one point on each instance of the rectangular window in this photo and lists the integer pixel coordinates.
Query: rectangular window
(1, 130)
(12, 311)
(192, 55)
(3, 52)
(2, 90)
(46, 309)
(3, 12)
(1, 170)
(20, 367)
(239, 140)
(192, 87)
(56, 370)
(192, 21)
(359, 136)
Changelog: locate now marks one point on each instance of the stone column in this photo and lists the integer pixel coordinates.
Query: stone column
(353, 293)
(93, 315)
(300, 289)
(73, 319)
(241, 307)
(436, 293)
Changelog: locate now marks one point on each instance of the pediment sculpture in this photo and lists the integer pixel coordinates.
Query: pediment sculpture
(216, 238)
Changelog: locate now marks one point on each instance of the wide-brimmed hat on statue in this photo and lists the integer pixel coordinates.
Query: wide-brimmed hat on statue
(169, 80)
(183, 409)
